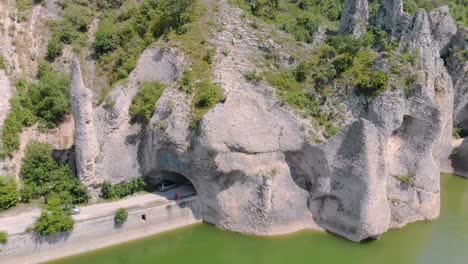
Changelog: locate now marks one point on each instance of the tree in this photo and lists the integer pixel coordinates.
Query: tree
(43, 176)
(56, 218)
(180, 10)
(8, 193)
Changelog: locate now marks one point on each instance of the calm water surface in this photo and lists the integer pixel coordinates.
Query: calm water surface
(442, 241)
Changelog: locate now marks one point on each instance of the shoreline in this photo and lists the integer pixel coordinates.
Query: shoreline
(101, 232)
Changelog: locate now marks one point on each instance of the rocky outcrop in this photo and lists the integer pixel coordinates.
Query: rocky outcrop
(354, 18)
(87, 147)
(251, 160)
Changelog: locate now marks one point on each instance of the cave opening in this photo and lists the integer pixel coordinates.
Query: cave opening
(172, 185)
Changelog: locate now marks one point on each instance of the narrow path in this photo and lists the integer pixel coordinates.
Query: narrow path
(19, 222)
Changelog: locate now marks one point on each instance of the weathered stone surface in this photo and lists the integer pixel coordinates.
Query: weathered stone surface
(251, 161)
(87, 147)
(443, 27)
(354, 18)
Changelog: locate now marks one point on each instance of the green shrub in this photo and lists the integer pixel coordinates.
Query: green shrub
(2, 62)
(406, 180)
(252, 76)
(3, 237)
(143, 104)
(8, 193)
(121, 216)
(54, 48)
(206, 96)
(123, 189)
(209, 55)
(46, 101)
(56, 218)
(124, 33)
(301, 72)
(43, 176)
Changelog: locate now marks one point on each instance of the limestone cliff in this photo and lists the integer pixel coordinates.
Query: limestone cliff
(252, 159)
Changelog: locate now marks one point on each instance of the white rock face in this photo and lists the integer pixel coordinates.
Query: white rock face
(250, 159)
(354, 17)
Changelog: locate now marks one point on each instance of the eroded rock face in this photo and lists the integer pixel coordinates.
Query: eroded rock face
(251, 161)
(87, 147)
(355, 17)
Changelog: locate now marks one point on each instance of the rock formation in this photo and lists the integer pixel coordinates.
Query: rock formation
(354, 18)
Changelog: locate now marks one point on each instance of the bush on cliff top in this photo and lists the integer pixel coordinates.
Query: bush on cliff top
(43, 176)
(8, 193)
(143, 104)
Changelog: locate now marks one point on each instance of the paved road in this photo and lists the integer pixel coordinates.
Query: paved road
(18, 223)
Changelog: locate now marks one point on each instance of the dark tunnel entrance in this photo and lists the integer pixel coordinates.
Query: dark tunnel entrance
(172, 185)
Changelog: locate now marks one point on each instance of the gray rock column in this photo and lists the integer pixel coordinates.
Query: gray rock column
(354, 17)
(86, 144)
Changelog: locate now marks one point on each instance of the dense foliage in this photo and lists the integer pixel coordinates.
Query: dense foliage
(56, 218)
(301, 18)
(458, 8)
(8, 193)
(3, 237)
(43, 176)
(120, 216)
(110, 191)
(143, 104)
(77, 18)
(46, 101)
(124, 33)
(342, 62)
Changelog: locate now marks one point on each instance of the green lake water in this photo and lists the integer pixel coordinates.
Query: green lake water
(442, 241)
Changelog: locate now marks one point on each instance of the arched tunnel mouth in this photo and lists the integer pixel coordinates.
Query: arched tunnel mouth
(170, 184)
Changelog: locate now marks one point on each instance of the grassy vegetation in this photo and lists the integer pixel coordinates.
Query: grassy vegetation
(120, 216)
(77, 18)
(406, 180)
(110, 191)
(142, 107)
(2, 63)
(8, 193)
(252, 76)
(3, 238)
(46, 102)
(206, 96)
(300, 18)
(56, 218)
(458, 8)
(43, 177)
(125, 32)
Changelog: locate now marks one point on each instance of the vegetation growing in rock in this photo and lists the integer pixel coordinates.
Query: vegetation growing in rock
(3, 238)
(42, 176)
(46, 102)
(458, 8)
(143, 104)
(206, 96)
(8, 193)
(406, 180)
(124, 33)
(56, 218)
(121, 216)
(110, 191)
(2, 63)
(300, 18)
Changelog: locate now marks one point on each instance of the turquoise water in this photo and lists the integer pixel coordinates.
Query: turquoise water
(442, 241)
